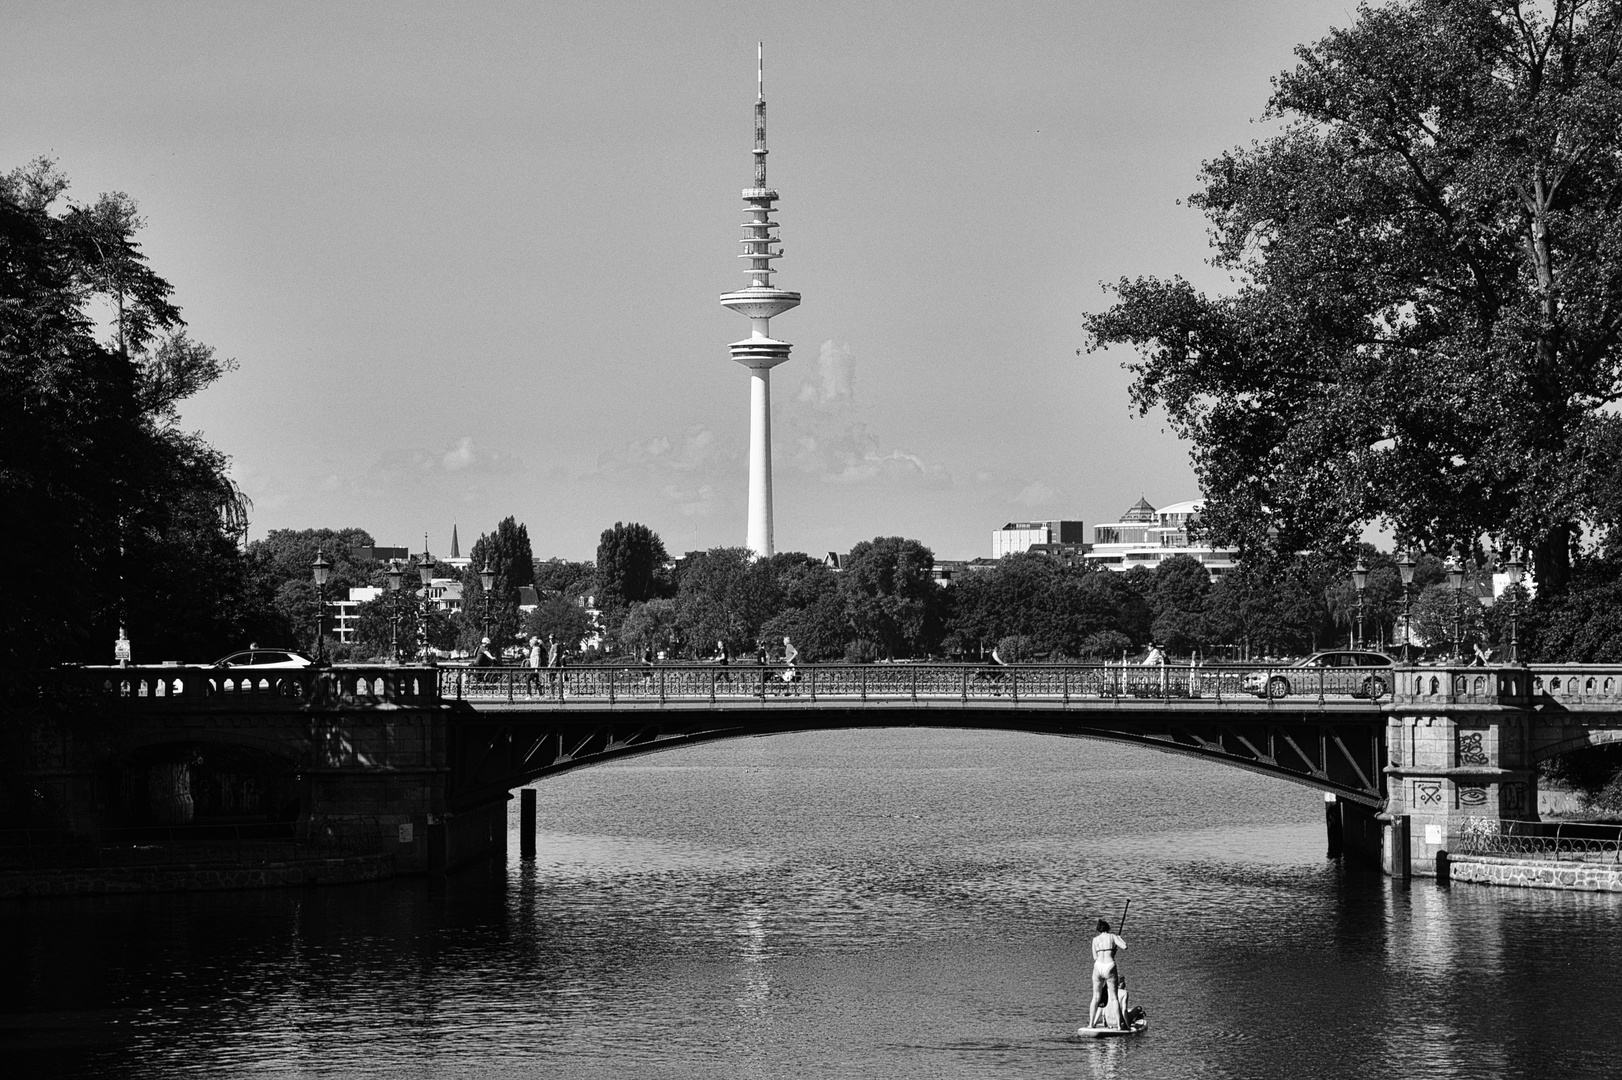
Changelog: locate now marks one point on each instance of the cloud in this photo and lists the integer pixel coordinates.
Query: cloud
(460, 457)
(266, 491)
(1036, 493)
(701, 501)
(825, 434)
(695, 452)
(835, 380)
(817, 430)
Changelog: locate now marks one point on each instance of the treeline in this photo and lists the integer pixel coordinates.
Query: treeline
(884, 602)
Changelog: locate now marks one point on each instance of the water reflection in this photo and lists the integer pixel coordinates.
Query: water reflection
(905, 903)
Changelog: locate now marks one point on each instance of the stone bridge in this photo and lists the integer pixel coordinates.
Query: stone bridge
(428, 756)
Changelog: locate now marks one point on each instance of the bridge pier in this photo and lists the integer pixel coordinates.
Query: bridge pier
(1360, 831)
(1336, 832)
(526, 823)
(1459, 743)
(472, 833)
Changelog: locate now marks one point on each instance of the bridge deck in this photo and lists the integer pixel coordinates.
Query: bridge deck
(911, 687)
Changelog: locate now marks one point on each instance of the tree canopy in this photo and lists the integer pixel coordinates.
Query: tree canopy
(138, 521)
(507, 554)
(890, 594)
(1425, 325)
(630, 559)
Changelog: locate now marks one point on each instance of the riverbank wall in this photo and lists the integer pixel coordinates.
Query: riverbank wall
(182, 877)
(1516, 873)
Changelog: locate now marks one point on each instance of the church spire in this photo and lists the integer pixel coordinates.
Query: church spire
(456, 551)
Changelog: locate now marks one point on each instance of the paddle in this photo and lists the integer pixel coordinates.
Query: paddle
(1120, 929)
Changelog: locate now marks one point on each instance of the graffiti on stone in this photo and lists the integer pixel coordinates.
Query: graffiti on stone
(1471, 752)
(1514, 796)
(1427, 793)
(1472, 795)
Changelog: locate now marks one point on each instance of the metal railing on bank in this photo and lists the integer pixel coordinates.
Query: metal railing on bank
(1554, 840)
(159, 846)
(904, 682)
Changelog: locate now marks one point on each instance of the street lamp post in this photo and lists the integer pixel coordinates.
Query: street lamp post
(1515, 568)
(1455, 578)
(1360, 581)
(425, 570)
(1405, 567)
(395, 577)
(321, 569)
(487, 579)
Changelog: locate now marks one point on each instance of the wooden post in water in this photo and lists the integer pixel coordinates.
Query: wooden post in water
(526, 822)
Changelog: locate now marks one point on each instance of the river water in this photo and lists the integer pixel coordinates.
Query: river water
(899, 903)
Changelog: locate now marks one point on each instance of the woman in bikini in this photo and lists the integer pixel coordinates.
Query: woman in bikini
(1106, 977)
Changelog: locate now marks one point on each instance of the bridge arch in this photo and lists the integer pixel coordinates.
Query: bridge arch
(177, 778)
(492, 755)
(1576, 739)
(295, 748)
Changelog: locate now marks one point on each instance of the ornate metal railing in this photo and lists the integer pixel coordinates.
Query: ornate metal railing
(1576, 841)
(907, 682)
(174, 685)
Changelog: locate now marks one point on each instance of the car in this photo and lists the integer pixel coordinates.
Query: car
(1358, 672)
(256, 657)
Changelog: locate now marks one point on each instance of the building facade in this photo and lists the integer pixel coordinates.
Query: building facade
(1018, 536)
(1147, 537)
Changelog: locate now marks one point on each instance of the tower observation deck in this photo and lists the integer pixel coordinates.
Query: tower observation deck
(758, 302)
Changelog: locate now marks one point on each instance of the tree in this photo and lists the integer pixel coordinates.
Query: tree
(1182, 586)
(652, 624)
(139, 520)
(561, 575)
(725, 594)
(506, 552)
(373, 631)
(890, 594)
(811, 612)
(1427, 324)
(630, 559)
(1584, 624)
(1054, 609)
(561, 616)
(1437, 611)
(279, 569)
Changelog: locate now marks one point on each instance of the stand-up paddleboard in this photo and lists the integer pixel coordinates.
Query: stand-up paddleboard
(1138, 1028)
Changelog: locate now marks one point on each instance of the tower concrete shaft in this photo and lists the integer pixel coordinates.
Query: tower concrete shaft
(760, 352)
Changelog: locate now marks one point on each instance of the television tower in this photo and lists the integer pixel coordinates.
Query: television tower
(760, 352)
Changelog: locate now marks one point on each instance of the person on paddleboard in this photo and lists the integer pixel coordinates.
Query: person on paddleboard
(1107, 978)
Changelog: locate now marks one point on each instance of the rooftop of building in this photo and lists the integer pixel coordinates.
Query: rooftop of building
(1142, 511)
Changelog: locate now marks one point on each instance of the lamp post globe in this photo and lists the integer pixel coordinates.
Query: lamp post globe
(321, 569)
(1405, 567)
(487, 581)
(1455, 578)
(1515, 568)
(1360, 581)
(395, 579)
(425, 571)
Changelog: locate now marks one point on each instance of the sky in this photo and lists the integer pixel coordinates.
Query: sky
(467, 257)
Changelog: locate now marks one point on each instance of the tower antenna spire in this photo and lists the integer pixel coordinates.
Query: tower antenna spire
(760, 71)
